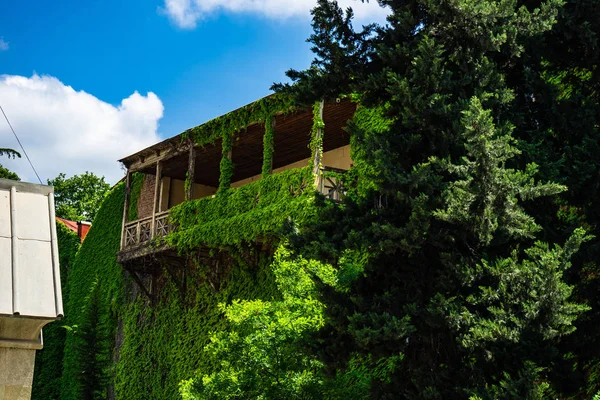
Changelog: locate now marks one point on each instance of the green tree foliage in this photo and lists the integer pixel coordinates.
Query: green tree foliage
(486, 199)
(558, 107)
(10, 153)
(78, 198)
(453, 278)
(4, 172)
(259, 355)
(267, 349)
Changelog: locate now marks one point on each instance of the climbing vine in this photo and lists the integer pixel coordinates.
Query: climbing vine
(95, 289)
(227, 165)
(316, 134)
(268, 146)
(118, 343)
(48, 361)
(256, 210)
(238, 120)
(137, 181)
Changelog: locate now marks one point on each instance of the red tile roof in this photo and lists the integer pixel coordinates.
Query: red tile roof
(80, 228)
(72, 225)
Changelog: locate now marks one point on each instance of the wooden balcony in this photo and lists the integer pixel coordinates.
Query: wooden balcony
(141, 234)
(142, 231)
(180, 170)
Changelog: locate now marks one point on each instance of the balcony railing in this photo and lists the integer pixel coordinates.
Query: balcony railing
(143, 230)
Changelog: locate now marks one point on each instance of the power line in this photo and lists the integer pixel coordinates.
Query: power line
(22, 148)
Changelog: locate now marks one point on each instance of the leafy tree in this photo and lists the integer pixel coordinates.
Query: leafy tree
(261, 355)
(10, 153)
(80, 196)
(4, 172)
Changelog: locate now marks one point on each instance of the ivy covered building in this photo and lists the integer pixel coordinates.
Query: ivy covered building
(232, 180)
(194, 224)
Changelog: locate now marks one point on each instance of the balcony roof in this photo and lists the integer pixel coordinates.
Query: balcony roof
(292, 133)
(178, 140)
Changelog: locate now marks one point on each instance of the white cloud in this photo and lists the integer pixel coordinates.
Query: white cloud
(187, 13)
(70, 131)
(3, 44)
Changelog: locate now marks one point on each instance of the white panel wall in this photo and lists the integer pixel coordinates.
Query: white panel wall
(35, 279)
(5, 275)
(5, 213)
(33, 217)
(29, 273)
(5, 254)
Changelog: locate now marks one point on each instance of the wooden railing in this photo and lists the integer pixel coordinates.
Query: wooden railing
(331, 183)
(143, 230)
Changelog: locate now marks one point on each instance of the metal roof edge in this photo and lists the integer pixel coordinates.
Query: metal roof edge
(26, 187)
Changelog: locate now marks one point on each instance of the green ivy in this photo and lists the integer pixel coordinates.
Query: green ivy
(227, 165)
(268, 146)
(137, 181)
(245, 214)
(95, 262)
(238, 120)
(119, 344)
(317, 133)
(163, 342)
(47, 378)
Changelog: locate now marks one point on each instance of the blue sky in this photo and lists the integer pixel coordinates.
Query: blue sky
(81, 63)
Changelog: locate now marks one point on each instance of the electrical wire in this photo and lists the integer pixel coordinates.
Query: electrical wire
(20, 144)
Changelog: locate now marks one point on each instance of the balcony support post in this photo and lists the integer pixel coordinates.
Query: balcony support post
(268, 146)
(189, 182)
(318, 150)
(125, 208)
(157, 193)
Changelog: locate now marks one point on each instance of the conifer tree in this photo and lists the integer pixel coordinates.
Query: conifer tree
(558, 108)
(455, 293)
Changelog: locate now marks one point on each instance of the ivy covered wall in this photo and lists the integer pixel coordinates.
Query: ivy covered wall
(96, 289)
(163, 342)
(48, 361)
(121, 345)
(118, 343)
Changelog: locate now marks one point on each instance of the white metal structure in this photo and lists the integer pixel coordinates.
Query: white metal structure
(30, 292)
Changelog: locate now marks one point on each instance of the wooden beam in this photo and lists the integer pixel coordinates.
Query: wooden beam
(125, 208)
(153, 157)
(189, 194)
(138, 280)
(157, 195)
(165, 191)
